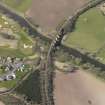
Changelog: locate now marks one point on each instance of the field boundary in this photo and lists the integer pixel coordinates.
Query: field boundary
(67, 28)
(69, 24)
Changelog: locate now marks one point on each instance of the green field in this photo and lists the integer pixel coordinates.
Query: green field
(89, 31)
(19, 5)
(11, 52)
(22, 38)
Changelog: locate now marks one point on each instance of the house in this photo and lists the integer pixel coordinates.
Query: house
(10, 76)
(27, 46)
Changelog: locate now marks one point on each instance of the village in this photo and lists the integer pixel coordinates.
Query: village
(9, 66)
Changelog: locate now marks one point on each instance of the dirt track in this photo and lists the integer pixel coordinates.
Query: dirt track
(48, 13)
(78, 88)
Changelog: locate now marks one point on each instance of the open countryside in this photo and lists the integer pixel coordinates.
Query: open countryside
(89, 33)
(65, 68)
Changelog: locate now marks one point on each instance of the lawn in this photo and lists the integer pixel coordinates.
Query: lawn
(89, 33)
(19, 5)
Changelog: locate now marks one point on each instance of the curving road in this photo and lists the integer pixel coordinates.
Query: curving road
(79, 88)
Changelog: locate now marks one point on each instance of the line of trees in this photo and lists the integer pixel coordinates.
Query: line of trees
(96, 68)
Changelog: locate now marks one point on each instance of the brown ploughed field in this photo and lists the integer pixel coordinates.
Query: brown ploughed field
(48, 13)
(79, 88)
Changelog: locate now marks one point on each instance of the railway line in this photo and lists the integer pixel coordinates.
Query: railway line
(47, 72)
(47, 98)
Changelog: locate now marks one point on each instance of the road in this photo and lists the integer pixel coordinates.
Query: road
(79, 88)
